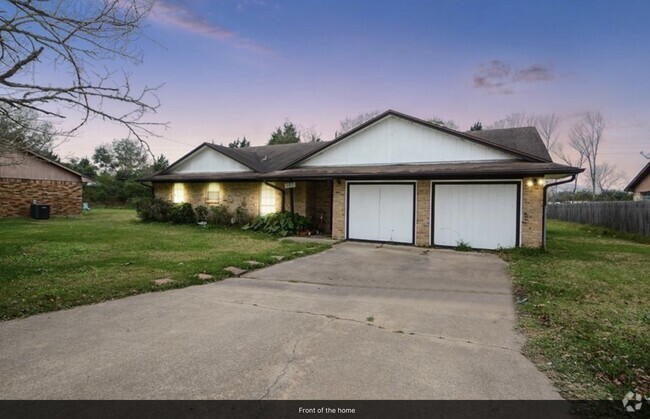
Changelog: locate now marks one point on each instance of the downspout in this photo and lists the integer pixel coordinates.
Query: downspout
(562, 182)
(277, 188)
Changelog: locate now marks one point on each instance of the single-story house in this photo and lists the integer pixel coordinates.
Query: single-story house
(26, 177)
(640, 185)
(394, 178)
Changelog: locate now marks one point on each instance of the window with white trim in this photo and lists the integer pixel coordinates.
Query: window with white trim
(267, 200)
(214, 193)
(178, 193)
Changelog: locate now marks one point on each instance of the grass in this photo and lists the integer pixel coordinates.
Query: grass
(48, 265)
(584, 305)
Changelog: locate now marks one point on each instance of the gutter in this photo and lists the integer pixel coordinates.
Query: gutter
(562, 182)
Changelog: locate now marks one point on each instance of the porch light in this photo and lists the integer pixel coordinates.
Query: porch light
(541, 181)
(530, 183)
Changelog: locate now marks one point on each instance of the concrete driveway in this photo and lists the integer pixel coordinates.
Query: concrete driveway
(359, 321)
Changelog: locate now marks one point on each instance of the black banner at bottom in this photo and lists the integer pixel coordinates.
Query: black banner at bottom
(314, 409)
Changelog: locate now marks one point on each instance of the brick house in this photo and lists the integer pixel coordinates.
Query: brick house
(640, 185)
(25, 177)
(393, 179)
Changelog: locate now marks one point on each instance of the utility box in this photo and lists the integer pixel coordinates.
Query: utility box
(40, 211)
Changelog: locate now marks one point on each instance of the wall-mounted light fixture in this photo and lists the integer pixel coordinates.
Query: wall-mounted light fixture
(535, 181)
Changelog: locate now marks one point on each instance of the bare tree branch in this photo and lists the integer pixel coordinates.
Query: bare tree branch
(75, 38)
(585, 138)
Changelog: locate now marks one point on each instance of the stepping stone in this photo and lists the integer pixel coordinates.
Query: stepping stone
(278, 258)
(235, 270)
(298, 252)
(163, 281)
(204, 277)
(253, 263)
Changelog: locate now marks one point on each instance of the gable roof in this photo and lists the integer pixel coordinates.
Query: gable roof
(638, 178)
(497, 142)
(525, 144)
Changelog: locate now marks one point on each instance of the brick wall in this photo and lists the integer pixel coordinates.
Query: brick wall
(338, 209)
(64, 197)
(532, 215)
(232, 194)
(423, 213)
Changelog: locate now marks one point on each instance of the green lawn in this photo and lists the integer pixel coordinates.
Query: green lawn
(585, 307)
(48, 265)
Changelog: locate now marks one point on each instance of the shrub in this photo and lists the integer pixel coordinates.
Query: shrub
(154, 209)
(219, 215)
(280, 223)
(202, 213)
(183, 214)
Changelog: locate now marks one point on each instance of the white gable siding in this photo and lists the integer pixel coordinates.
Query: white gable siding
(397, 141)
(209, 160)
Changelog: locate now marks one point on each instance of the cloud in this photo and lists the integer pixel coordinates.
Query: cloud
(499, 77)
(179, 16)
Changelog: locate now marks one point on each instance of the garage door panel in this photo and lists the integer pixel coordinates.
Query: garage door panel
(396, 213)
(363, 216)
(381, 212)
(485, 216)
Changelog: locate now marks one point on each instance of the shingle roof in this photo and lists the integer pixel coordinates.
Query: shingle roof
(275, 157)
(638, 178)
(524, 139)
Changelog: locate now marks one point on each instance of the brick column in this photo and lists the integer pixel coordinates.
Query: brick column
(338, 209)
(532, 216)
(423, 213)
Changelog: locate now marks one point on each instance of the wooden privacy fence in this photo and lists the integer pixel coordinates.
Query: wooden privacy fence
(627, 216)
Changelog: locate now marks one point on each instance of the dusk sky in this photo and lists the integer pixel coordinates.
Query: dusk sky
(242, 67)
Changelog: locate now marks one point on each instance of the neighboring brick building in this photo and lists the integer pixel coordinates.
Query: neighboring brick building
(393, 179)
(26, 177)
(640, 185)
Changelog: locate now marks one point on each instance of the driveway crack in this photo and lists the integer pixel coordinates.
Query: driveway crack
(347, 319)
(292, 358)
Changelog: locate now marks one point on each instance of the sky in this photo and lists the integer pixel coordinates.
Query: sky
(234, 68)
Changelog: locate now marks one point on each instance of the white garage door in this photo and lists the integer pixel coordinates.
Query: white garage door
(484, 216)
(381, 212)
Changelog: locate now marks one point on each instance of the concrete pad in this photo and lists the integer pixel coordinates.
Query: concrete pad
(312, 239)
(290, 334)
(163, 281)
(253, 263)
(235, 270)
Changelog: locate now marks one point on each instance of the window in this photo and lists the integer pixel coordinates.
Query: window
(178, 193)
(214, 193)
(645, 196)
(267, 200)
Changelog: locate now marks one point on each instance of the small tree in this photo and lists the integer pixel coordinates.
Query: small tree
(160, 163)
(585, 138)
(125, 158)
(83, 165)
(287, 134)
(24, 131)
(349, 123)
(447, 124)
(240, 143)
(476, 127)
